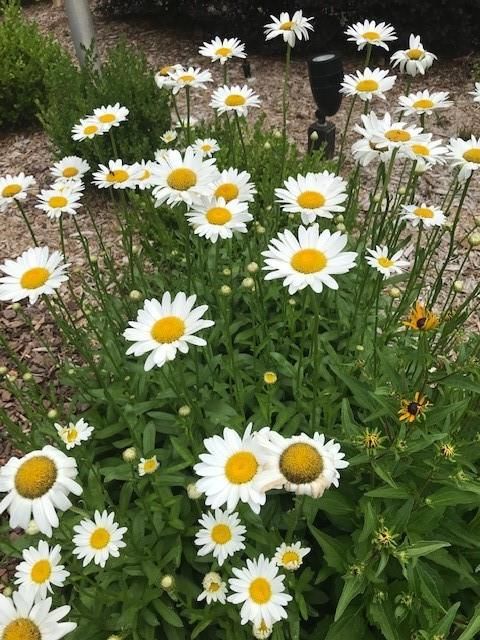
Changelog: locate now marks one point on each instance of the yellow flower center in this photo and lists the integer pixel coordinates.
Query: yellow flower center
(241, 467)
(371, 35)
(420, 150)
(107, 118)
(206, 147)
(145, 175)
(213, 587)
(69, 172)
(11, 190)
(21, 629)
(423, 212)
(311, 200)
(287, 26)
(385, 262)
(218, 215)
(41, 571)
(367, 85)
(472, 155)
(290, 556)
(99, 538)
(235, 100)
(186, 78)
(301, 463)
(224, 51)
(150, 465)
(34, 278)
(165, 70)
(57, 202)
(309, 261)
(415, 54)
(270, 377)
(118, 175)
(71, 434)
(89, 129)
(182, 179)
(228, 191)
(260, 591)
(35, 477)
(397, 135)
(424, 103)
(168, 329)
(221, 534)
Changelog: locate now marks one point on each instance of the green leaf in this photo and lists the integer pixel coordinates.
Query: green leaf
(443, 627)
(473, 627)
(352, 587)
(424, 547)
(149, 434)
(334, 550)
(167, 613)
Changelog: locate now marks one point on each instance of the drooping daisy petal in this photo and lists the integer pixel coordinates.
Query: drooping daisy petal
(476, 92)
(290, 556)
(414, 59)
(289, 28)
(214, 589)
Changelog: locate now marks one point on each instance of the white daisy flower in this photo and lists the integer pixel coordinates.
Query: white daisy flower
(213, 219)
(98, 539)
(70, 168)
(425, 150)
(34, 273)
(147, 466)
(21, 619)
(221, 535)
(223, 50)
(365, 151)
(261, 590)
(145, 170)
(289, 28)
(465, 154)
(206, 147)
(385, 264)
(290, 556)
(371, 33)
(232, 184)
(414, 59)
(262, 630)
(192, 78)
(75, 433)
(424, 102)
(231, 471)
(14, 188)
(87, 129)
(110, 116)
(428, 215)
(315, 195)
(163, 79)
(235, 98)
(169, 136)
(38, 484)
(304, 465)
(214, 589)
(383, 133)
(368, 83)
(308, 260)
(117, 175)
(163, 328)
(40, 570)
(61, 198)
(183, 178)
(476, 92)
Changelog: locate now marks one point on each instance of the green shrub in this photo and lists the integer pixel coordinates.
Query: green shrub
(125, 77)
(25, 56)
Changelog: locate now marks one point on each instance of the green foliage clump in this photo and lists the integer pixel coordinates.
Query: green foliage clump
(73, 93)
(26, 56)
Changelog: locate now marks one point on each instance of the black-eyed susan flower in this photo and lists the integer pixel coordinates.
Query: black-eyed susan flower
(38, 484)
(447, 450)
(414, 59)
(221, 534)
(413, 409)
(214, 589)
(371, 439)
(213, 219)
(40, 570)
(223, 50)
(235, 98)
(421, 318)
(233, 184)
(260, 589)
(371, 33)
(290, 556)
(98, 539)
(75, 433)
(384, 538)
(368, 83)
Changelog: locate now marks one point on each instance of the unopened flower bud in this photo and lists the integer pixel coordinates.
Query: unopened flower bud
(11, 377)
(114, 637)
(71, 371)
(314, 136)
(3, 371)
(261, 230)
(341, 227)
(174, 252)
(135, 249)
(291, 216)
(292, 302)
(420, 168)
(267, 145)
(248, 283)
(225, 290)
(252, 267)
(360, 347)
(339, 218)
(458, 286)
(270, 377)
(377, 198)
(267, 208)
(167, 582)
(52, 414)
(227, 272)
(27, 376)
(448, 225)
(394, 292)
(184, 411)
(193, 492)
(277, 134)
(32, 528)
(135, 295)
(474, 239)
(129, 455)
(477, 220)
(402, 191)
(94, 259)
(7, 591)
(16, 306)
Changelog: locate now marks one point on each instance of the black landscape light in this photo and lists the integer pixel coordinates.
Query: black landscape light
(325, 72)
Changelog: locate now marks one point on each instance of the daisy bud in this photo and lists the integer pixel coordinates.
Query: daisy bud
(261, 230)
(135, 249)
(420, 168)
(7, 591)
(252, 267)
(448, 225)
(129, 455)
(16, 306)
(360, 347)
(135, 295)
(341, 227)
(193, 491)
(114, 637)
(248, 283)
(474, 239)
(11, 377)
(458, 286)
(339, 218)
(267, 145)
(227, 272)
(184, 411)
(3, 371)
(183, 261)
(71, 372)
(277, 134)
(292, 302)
(477, 220)
(270, 377)
(94, 259)
(377, 198)
(32, 528)
(174, 252)
(291, 216)
(394, 292)
(126, 378)
(52, 414)
(167, 582)
(27, 376)
(267, 208)
(314, 136)
(402, 191)
(225, 290)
